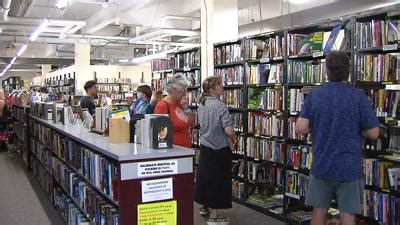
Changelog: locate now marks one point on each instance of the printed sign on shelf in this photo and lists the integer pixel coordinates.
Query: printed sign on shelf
(157, 168)
(157, 213)
(157, 190)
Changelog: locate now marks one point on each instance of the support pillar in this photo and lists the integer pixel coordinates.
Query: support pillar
(219, 22)
(46, 69)
(83, 72)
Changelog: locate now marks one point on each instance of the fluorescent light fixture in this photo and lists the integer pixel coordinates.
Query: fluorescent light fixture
(298, 1)
(7, 67)
(62, 4)
(22, 50)
(39, 30)
(13, 60)
(123, 60)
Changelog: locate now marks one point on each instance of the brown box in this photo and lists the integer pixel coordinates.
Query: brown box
(119, 130)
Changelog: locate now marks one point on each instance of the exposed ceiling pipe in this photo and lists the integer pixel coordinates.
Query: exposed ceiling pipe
(6, 8)
(28, 28)
(37, 21)
(163, 32)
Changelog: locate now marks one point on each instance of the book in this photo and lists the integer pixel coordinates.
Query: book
(231, 75)
(260, 124)
(255, 97)
(394, 178)
(309, 72)
(332, 38)
(162, 130)
(233, 98)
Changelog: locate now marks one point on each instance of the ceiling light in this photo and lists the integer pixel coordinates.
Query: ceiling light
(62, 4)
(298, 1)
(7, 67)
(39, 30)
(13, 61)
(21, 50)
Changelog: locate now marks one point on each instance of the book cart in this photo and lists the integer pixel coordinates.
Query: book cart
(92, 181)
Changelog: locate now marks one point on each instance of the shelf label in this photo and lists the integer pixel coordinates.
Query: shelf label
(390, 47)
(157, 213)
(318, 54)
(186, 69)
(264, 60)
(157, 190)
(157, 168)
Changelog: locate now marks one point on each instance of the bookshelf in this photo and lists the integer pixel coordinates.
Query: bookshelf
(60, 86)
(119, 89)
(12, 83)
(20, 129)
(92, 181)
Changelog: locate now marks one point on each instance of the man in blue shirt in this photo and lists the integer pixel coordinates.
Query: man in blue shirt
(338, 117)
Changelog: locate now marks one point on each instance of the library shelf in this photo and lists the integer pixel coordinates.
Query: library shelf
(233, 86)
(265, 161)
(380, 50)
(235, 109)
(188, 69)
(298, 142)
(264, 85)
(239, 178)
(300, 85)
(230, 64)
(263, 136)
(383, 191)
(267, 60)
(266, 111)
(298, 170)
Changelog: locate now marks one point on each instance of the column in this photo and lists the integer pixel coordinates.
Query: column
(83, 71)
(46, 69)
(219, 22)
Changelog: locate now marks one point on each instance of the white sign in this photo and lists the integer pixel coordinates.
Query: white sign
(157, 168)
(157, 190)
(318, 54)
(264, 60)
(390, 47)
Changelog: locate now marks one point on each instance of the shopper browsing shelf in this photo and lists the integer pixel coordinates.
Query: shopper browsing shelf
(338, 116)
(145, 101)
(176, 106)
(87, 102)
(213, 182)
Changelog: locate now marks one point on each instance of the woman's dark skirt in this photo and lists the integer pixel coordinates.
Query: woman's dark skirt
(214, 178)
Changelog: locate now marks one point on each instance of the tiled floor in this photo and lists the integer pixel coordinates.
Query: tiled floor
(22, 201)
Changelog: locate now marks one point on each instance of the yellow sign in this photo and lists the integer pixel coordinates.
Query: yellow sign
(160, 213)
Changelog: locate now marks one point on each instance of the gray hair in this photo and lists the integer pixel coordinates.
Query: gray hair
(177, 81)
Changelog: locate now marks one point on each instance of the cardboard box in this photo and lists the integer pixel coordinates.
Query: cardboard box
(119, 130)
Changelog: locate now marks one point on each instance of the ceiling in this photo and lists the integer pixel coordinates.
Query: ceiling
(117, 28)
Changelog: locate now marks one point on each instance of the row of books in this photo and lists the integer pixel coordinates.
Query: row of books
(378, 68)
(309, 72)
(187, 60)
(264, 173)
(296, 100)
(161, 64)
(385, 103)
(88, 199)
(193, 97)
(118, 96)
(299, 157)
(159, 84)
(60, 81)
(376, 33)
(193, 78)
(264, 74)
(228, 54)
(113, 88)
(238, 168)
(336, 39)
(260, 124)
(238, 190)
(296, 184)
(269, 99)
(270, 47)
(42, 133)
(381, 207)
(231, 75)
(114, 80)
(102, 173)
(264, 149)
(233, 98)
(394, 143)
(381, 174)
(240, 146)
(237, 119)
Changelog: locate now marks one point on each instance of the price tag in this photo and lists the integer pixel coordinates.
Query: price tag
(278, 58)
(318, 54)
(186, 69)
(293, 56)
(390, 47)
(264, 60)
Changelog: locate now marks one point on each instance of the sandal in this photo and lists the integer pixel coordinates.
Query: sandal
(204, 211)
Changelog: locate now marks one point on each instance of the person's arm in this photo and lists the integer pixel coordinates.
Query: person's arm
(227, 125)
(303, 126)
(369, 123)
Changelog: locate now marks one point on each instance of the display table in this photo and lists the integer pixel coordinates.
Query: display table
(148, 186)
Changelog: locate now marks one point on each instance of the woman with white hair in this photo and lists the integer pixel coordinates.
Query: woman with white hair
(176, 105)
